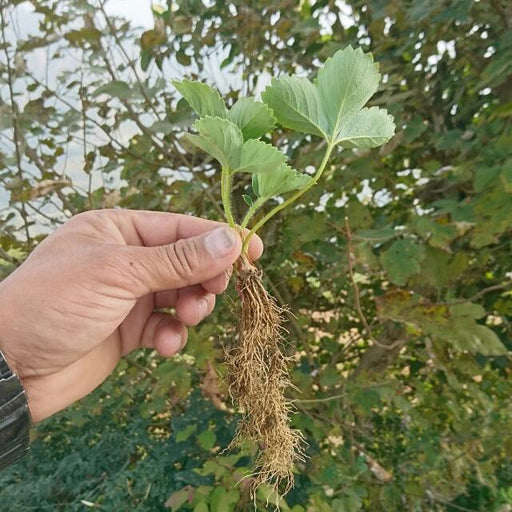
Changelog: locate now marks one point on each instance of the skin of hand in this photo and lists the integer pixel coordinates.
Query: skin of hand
(87, 295)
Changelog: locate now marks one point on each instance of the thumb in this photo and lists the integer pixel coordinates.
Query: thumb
(186, 262)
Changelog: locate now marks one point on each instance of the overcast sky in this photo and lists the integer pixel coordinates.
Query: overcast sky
(137, 11)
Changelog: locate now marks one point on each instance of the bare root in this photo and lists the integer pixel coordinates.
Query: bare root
(257, 378)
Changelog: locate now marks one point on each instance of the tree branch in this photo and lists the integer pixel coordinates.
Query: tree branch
(14, 109)
(357, 298)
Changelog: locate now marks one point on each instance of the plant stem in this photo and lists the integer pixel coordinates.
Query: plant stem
(225, 184)
(251, 211)
(290, 200)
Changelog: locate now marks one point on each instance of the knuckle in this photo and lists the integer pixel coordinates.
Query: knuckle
(87, 217)
(183, 256)
(90, 222)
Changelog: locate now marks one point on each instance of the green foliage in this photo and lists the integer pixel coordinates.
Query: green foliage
(254, 118)
(202, 98)
(282, 180)
(455, 324)
(413, 416)
(332, 107)
(220, 138)
(224, 140)
(402, 260)
(297, 103)
(116, 89)
(260, 158)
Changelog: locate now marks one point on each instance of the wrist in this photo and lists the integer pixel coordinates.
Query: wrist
(6, 338)
(15, 420)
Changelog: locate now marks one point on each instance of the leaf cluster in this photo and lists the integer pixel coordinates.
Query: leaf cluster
(331, 108)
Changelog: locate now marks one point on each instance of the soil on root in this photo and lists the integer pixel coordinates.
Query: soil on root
(257, 379)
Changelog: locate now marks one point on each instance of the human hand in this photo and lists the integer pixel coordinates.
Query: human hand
(86, 296)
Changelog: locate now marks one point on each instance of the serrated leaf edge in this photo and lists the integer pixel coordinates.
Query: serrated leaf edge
(203, 84)
(190, 136)
(372, 62)
(269, 110)
(319, 128)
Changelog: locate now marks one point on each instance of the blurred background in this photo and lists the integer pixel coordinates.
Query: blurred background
(401, 326)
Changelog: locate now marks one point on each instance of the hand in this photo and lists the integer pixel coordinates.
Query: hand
(86, 296)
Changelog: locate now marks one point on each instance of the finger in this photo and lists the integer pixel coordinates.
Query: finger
(219, 283)
(161, 228)
(194, 305)
(255, 249)
(132, 327)
(164, 334)
(166, 298)
(184, 263)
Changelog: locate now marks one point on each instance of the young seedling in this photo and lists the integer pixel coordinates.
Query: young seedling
(332, 108)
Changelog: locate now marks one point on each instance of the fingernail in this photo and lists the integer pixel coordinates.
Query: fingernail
(220, 242)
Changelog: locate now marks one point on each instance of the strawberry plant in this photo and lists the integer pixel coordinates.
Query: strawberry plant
(333, 109)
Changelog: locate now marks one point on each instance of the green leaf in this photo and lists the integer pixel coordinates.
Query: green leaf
(184, 434)
(83, 34)
(465, 334)
(252, 117)
(248, 200)
(162, 127)
(376, 235)
(331, 108)
(206, 439)
(260, 157)
(210, 467)
(368, 128)
(297, 105)
(456, 324)
(438, 234)
(346, 82)
(480, 338)
(284, 179)
(330, 377)
(223, 500)
(201, 97)
(402, 260)
(219, 138)
(145, 59)
(201, 507)
(116, 88)
(151, 38)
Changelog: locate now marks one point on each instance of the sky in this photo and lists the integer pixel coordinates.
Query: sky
(137, 11)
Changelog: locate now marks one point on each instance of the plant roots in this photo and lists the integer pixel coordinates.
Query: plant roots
(257, 378)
